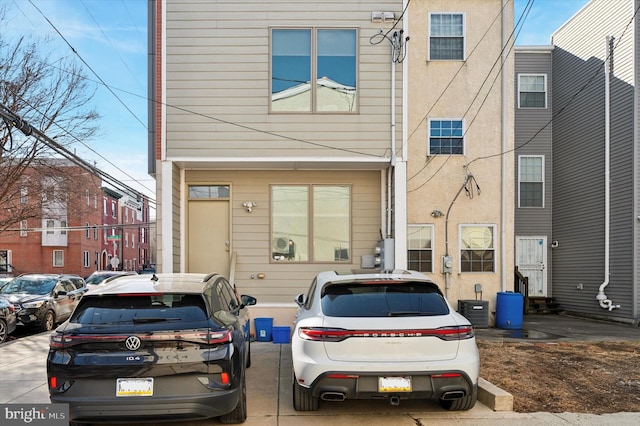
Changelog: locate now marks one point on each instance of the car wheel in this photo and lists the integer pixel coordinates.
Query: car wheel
(3, 331)
(466, 403)
(303, 400)
(239, 414)
(49, 321)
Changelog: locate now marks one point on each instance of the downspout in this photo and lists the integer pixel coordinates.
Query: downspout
(605, 303)
(503, 192)
(392, 162)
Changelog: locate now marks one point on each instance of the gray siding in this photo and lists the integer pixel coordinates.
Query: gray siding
(217, 82)
(578, 157)
(533, 130)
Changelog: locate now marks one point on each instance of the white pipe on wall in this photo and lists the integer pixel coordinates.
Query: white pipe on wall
(605, 302)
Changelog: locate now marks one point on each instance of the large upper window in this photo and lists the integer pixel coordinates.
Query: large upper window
(420, 245)
(310, 223)
(445, 137)
(313, 70)
(446, 36)
(477, 248)
(532, 91)
(531, 181)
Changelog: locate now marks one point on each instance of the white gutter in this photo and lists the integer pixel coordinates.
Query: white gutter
(605, 303)
(503, 201)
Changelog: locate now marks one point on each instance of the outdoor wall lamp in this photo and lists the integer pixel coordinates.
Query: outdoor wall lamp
(437, 213)
(249, 205)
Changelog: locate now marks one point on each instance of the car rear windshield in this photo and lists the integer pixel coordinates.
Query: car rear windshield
(383, 300)
(120, 309)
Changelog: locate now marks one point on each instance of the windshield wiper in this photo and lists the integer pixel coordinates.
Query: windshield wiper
(407, 313)
(153, 319)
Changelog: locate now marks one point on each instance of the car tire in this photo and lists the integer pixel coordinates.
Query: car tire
(466, 403)
(3, 331)
(49, 321)
(303, 400)
(239, 414)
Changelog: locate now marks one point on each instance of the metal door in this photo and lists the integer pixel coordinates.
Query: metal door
(531, 260)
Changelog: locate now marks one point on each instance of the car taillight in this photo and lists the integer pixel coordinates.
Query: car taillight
(322, 334)
(64, 341)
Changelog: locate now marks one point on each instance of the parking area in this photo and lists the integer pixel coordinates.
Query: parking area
(23, 381)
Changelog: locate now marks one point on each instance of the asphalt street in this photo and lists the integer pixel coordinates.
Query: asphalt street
(23, 381)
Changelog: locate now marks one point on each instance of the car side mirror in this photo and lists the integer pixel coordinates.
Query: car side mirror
(248, 300)
(299, 300)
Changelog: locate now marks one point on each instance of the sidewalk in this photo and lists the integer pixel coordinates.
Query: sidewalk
(23, 380)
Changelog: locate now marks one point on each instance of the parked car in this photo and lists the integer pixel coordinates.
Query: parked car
(7, 320)
(42, 300)
(98, 277)
(77, 281)
(154, 347)
(381, 335)
(4, 281)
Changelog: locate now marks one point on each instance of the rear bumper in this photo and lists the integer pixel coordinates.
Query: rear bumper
(137, 409)
(447, 385)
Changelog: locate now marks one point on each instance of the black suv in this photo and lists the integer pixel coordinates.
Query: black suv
(43, 300)
(154, 347)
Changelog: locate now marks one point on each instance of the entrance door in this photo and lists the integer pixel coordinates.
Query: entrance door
(208, 242)
(531, 260)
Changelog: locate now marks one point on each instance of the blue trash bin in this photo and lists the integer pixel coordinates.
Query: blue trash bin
(509, 310)
(264, 327)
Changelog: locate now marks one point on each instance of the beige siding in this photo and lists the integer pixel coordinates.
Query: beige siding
(469, 90)
(251, 231)
(217, 82)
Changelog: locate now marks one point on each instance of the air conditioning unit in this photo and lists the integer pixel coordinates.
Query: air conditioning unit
(281, 244)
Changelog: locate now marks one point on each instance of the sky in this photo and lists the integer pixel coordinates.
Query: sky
(111, 37)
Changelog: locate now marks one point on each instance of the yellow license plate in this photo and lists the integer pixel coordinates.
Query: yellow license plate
(134, 387)
(394, 384)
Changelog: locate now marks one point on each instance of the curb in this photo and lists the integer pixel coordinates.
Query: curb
(493, 397)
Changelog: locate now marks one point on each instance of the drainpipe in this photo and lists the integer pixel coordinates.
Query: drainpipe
(605, 303)
(393, 135)
(503, 196)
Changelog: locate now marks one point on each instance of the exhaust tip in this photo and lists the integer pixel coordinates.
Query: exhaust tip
(447, 396)
(394, 400)
(332, 396)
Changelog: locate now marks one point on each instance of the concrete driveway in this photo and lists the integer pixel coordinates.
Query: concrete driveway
(23, 381)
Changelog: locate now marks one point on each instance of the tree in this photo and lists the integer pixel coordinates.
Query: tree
(51, 96)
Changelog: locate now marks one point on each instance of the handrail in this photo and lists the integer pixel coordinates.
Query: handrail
(521, 285)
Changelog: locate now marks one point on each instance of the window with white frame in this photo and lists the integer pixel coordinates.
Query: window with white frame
(86, 259)
(133, 241)
(420, 247)
(23, 195)
(446, 137)
(446, 36)
(314, 70)
(104, 206)
(95, 201)
(87, 230)
(58, 258)
(531, 181)
(532, 90)
(126, 239)
(477, 248)
(113, 209)
(63, 227)
(142, 233)
(87, 195)
(95, 232)
(23, 228)
(311, 223)
(50, 225)
(5, 261)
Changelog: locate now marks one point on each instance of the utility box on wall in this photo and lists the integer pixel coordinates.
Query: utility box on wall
(384, 257)
(476, 311)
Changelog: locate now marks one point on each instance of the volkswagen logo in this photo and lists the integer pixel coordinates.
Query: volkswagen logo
(132, 343)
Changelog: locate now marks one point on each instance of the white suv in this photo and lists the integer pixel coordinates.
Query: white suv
(381, 335)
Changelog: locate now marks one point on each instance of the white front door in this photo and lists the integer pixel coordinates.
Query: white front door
(531, 260)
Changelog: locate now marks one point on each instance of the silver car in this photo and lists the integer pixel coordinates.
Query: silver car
(381, 336)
